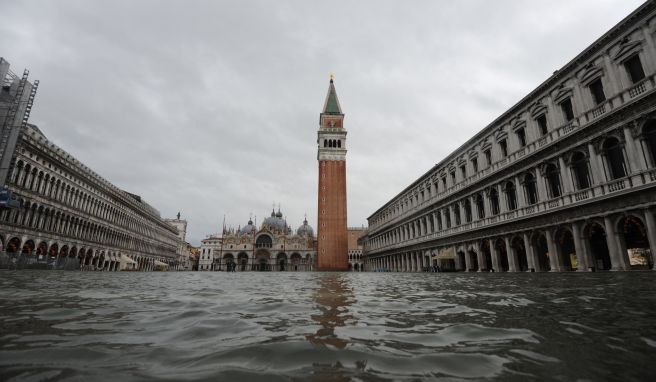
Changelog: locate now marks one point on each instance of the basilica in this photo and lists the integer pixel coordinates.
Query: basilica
(274, 246)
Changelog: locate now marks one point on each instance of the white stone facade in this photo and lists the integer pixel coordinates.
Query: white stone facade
(272, 247)
(563, 180)
(66, 215)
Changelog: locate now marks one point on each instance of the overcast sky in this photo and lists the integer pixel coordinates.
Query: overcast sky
(211, 108)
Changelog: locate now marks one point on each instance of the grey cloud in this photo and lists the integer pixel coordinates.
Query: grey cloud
(212, 108)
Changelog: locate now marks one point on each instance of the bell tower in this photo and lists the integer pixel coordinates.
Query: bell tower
(332, 236)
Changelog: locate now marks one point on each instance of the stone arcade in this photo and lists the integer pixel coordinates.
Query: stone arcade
(564, 180)
(57, 212)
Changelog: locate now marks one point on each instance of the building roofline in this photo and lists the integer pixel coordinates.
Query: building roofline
(570, 66)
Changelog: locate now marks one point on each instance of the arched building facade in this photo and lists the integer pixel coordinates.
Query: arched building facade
(564, 180)
(56, 213)
(272, 247)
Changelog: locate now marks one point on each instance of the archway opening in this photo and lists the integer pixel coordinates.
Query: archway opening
(500, 246)
(473, 261)
(28, 248)
(461, 261)
(566, 251)
(42, 249)
(228, 261)
(296, 261)
(542, 253)
(487, 255)
(520, 250)
(635, 242)
(242, 260)
(281, 260)
(598, 244)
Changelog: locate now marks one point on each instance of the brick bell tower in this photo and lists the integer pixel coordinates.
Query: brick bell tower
(332, 236)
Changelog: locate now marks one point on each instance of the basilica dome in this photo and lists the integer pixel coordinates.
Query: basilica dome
(305, 229)
(275, 221)
(248, 229)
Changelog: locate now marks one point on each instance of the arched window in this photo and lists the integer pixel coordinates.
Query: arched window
(530, 189)
(494, 201)
(468, 211)
(339, 143)
(511, 196)
(614, 158)
(580, 170)
(553, 180)
(263, 241)
(480, 206)
(325, 143)
(447, 215)
(456, 213)
(649, 132)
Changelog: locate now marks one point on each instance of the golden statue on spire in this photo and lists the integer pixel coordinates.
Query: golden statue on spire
(332, 76)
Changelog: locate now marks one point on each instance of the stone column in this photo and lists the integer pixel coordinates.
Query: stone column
(481, 258)
(503, 200)
(579, 247)
(531, 259)
(650, 221)
(496, 263)
(541, 187)
(486, 204)
(612, 238)
(512, 255)
(631, 151)
(519, 193)
(468, 266)
(436, 226)
(565, 177)
(551, 247)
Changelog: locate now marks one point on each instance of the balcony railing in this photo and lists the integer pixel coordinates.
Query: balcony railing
(599, 110)
(617, 186)
(637, 90)
(567, 200)
(552, 136)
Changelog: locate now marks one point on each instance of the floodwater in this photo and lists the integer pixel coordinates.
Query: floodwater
(75, 326)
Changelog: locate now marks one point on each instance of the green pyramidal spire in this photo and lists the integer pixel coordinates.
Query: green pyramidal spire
(332, 103)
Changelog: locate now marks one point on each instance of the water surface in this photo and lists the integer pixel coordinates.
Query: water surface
(70, 326)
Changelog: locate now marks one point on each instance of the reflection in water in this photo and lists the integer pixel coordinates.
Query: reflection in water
(289, 326)
(333, 299)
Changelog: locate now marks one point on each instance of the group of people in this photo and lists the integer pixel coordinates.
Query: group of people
(231, 267)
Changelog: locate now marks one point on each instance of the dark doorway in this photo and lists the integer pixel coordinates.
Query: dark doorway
(599, 247)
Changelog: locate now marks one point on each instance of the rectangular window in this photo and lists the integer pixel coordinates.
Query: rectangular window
(566, 107)
(488, 157)
(542, 124)
(475, 164)
(444, 183)
(597, 91)
(504, 148)
(453, 177)
(634, 68)
(521, 137)
(463, 171)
